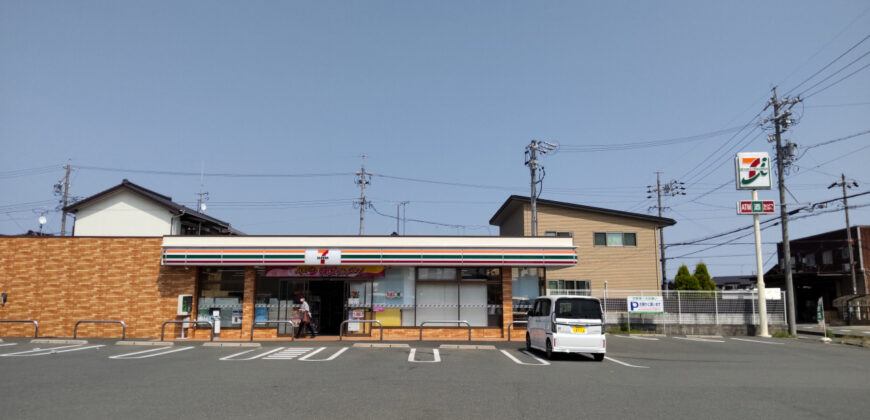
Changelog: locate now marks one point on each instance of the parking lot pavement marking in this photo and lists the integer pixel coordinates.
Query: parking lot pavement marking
(288, 353)
(39, 351)
(625, 364)
(635, 337)
(541, 362)
(8, 344)
(846, 330)
(232, 357)
(705, 340)
(756, 341)
(144, 354)
(334, 355)
(413, 353)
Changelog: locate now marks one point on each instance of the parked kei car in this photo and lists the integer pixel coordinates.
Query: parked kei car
(567, 324)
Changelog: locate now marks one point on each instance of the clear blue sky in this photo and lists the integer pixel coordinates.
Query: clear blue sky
(441, 91)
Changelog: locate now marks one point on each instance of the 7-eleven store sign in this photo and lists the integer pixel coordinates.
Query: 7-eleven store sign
(322, 256)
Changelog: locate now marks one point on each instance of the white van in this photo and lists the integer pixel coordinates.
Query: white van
(567, 324)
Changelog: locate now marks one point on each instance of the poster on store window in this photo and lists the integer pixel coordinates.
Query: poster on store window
(354, 315)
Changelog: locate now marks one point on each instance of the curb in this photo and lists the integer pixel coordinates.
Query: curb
(219, 344)
(145, 343)
(381, 345)
(467, 347)
(57, 341)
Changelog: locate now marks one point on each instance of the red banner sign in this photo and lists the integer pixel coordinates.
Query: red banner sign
(326, 271)
(756, 207)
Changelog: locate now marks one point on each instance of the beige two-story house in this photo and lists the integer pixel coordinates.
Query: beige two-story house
(619, 247)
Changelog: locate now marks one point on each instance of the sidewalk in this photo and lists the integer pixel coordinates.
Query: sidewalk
(839, 331)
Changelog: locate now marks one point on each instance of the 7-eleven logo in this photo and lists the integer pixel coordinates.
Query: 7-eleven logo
(322, 256)
(753, 171)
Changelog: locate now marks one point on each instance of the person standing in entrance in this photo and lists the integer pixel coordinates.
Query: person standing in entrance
(305, 318)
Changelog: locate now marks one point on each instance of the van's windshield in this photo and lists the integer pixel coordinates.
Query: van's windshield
(578, 308)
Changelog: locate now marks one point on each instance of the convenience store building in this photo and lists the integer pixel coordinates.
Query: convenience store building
(236, 280)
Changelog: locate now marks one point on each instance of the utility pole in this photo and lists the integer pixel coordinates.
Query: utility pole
(672, 189)
(65, 201)
(532, 162)
(364, 178)
(402, 205)
(781, 122)
(845, 185)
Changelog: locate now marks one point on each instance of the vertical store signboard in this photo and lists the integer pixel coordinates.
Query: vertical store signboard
(753, 171)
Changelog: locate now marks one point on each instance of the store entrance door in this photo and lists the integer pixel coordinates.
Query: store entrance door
(327, 304)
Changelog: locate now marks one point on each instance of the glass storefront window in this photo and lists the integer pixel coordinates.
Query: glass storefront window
(395, 294)
(470, 294)
(526, 286)
(221, 290)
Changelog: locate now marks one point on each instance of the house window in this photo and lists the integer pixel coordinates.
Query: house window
(559, 234)
(810, 260)
(827, 257)
(568, 287)
(614, 239)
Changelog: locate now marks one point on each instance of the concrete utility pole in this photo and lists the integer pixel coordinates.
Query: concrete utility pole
(672, 188)
(65, 201)
(364, 178)
(781, 122)
(845, 185)
(532, 162)
(401, 204)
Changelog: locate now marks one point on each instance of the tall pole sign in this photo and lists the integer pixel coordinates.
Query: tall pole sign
(753, 173)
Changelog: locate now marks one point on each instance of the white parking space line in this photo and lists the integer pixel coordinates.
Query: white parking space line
(541, 362)
(144, 354)
(8, 344)
(846, 330)
(866, 332)
(756, 341)
(413, 353)
(39, 351)
(334, 355)
(266, 353)
(705, 340)
(625, 364)
(288, 353)
(633, 337)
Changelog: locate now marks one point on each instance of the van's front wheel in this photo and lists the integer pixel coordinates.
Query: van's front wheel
(528, 342)
(549, 350)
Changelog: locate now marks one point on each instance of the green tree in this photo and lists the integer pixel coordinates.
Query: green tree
(685, 280)
(704, 280)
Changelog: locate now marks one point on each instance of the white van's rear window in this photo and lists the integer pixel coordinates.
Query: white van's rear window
(578, 308)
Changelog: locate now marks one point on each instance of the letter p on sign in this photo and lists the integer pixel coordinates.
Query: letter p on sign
(634, 305)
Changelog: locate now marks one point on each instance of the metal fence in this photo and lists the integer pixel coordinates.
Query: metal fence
(738, 307)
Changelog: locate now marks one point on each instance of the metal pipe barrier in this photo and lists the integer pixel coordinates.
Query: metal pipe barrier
(365, 321)
(511, 324)
(292, 324)
(446, 322)
(35, 324)
(209, 323)
(88, 321)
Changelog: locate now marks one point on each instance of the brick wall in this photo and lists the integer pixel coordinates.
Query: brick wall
(58, 281)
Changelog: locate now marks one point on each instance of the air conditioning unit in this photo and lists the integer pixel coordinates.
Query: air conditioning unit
(846, 267)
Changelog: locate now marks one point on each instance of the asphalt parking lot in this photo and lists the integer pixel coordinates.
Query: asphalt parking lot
(649, 377)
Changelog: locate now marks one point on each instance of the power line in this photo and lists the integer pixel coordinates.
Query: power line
(216, 174)
(828, 65)
(570, 148)
(851, 136)
(837, 81)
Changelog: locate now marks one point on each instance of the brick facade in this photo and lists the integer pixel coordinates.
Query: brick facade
(58, 281)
